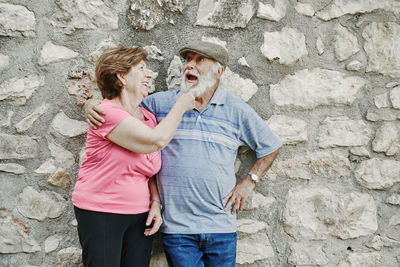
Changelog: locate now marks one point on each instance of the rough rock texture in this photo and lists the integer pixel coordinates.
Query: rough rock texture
(320, 46)
(288, 46)
(360, 151)
(52, 53)
(100, 48)
(17, 147)
(40, 206)
(303, 254)
(338, 8)
(378, 242)
(394, 199)
(146, 14)
(62, 156)
(341, 131)
(225, 14)
(70, 16)
(257, 200)
(395, 97)
(317, 213)
(47, 167)
(354, 65)
(174, 73)
(60, 178)
(378, 174)
(27, 122)
(12, 167)
(382, 101)
(70, 255)
(81, 84)
(322, 164)
(382, 45)
(361, 259)
(307, 89)
(241, 88)
(305, 9)
(68, 127)
(16, 20)
(4, 62)
(253, 248)
(15, 235)
(289, 130)
(273, 13)
(153, 52)
(250, 226)
(5, 119)
(387, 139)
(324, 75)
(51, 243)
(20, 90)
(345, 43)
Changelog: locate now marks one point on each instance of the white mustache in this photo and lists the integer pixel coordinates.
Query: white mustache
(192, 72)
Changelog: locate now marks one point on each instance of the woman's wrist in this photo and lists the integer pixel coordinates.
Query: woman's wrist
(156, 201)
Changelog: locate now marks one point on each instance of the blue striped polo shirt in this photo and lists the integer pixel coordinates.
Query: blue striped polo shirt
(198, 164)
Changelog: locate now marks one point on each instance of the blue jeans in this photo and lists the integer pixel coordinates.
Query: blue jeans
(198, 250)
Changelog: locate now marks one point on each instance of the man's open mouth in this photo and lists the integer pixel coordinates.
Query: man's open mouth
(191, 77)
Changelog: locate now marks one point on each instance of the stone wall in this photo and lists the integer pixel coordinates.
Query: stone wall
(323, 74)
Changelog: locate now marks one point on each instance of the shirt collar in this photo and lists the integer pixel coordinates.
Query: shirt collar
(219, 97)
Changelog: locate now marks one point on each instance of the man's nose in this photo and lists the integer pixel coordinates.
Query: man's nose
(190, 64)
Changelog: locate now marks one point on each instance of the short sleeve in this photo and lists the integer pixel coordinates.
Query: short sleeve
(257, 135)
(148, 103)
(114, 115)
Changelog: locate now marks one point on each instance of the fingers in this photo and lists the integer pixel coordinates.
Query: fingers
(150, 217)
(236, 206)
(98, 109)
(242, 201)
(236, 201)
(154, 229)
(96, 117)
(91, 124)
(230, 202)
(227, 197)
(157, 221)
(93, 119)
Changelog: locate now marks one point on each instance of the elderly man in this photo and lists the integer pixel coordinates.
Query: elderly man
(197, 182)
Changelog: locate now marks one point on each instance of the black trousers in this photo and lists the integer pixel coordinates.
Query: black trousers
(113, 240)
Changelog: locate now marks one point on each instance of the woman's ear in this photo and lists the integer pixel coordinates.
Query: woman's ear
(121, 79)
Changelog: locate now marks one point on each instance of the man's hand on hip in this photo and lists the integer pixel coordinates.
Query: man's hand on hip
(239, 194)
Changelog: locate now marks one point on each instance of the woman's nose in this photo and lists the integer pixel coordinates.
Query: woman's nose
(148, 73)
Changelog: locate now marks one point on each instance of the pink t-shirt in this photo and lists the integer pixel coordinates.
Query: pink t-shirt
(113, 179)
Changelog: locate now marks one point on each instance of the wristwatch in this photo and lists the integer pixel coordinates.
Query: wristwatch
(253, 177)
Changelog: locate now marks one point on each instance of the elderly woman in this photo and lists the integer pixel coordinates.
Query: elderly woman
(116, 202)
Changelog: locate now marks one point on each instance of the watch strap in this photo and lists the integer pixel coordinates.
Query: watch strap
(254, 177)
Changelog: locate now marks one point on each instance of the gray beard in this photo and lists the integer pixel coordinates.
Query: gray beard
(203, 84)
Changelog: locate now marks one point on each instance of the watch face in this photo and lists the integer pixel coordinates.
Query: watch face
(254, 177)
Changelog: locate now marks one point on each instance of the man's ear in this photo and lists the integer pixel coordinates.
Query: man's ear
(121, 79)
(219, 72)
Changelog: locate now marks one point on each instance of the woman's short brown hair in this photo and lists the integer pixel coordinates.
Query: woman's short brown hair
(113, 61)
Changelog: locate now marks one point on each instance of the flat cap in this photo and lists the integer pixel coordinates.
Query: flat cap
(207, 49)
